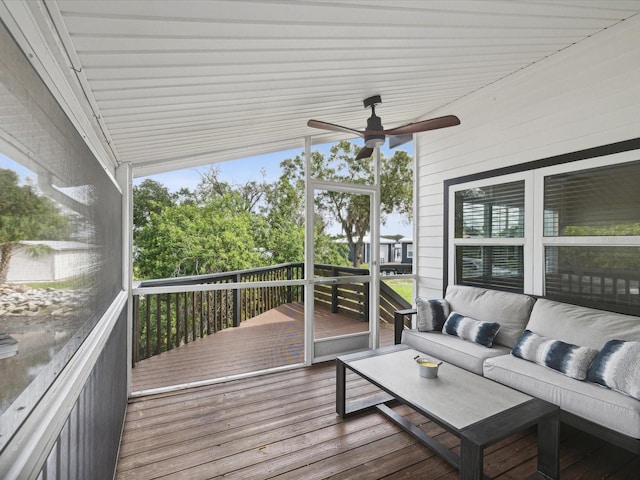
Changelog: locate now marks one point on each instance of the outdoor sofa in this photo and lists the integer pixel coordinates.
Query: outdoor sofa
(569, 355)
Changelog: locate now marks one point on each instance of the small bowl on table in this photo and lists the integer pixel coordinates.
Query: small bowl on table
(427, 367)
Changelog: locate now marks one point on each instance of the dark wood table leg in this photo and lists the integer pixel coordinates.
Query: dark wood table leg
(549, 447)
(471, 460)
(340, 388)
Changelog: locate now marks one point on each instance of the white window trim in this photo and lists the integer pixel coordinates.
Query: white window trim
(534, 241)
(538, 222)
(524, 241)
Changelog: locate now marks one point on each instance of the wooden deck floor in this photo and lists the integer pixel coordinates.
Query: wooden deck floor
(272, 339)
(283, 425)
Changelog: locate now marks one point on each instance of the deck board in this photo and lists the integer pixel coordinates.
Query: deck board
(284, 426)
(272, 339)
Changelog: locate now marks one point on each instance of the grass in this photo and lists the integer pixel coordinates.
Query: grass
(404, 287)
(57, 285)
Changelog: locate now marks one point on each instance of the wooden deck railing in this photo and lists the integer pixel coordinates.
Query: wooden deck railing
(163, 321)
(615, 289)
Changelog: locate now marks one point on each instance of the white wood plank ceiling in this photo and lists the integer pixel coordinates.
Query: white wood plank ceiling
(183, 83)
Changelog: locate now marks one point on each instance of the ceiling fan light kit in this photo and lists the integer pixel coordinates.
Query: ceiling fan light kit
(375, 134)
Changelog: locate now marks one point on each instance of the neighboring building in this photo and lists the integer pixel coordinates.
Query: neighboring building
(404, 250)
(396, 257)
(390, 250)
(63, 260)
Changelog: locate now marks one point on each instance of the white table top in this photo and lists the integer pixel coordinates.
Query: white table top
(456, 397)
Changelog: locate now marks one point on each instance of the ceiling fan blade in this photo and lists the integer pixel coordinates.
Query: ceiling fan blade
(425, 125)
(397, 140)
(366, 152)
(333, 127)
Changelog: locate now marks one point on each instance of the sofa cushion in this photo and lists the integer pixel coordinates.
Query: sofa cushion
(470, 329)
(618, 367)
(453, 350)
(581, 325)
(431, 314)
(593, 402)
(510, 310)
(571, 360)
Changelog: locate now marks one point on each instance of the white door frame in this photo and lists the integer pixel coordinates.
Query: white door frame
(326, 349)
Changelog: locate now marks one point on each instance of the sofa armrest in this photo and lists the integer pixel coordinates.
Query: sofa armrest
(399, 317)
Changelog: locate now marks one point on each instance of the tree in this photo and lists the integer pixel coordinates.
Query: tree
(24, 215)
(351, 211)
(252, 193)
(188, 239)
(149, 197)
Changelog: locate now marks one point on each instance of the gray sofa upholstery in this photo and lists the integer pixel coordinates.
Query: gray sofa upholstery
(610, 414)
(510, 310)
(580, 326)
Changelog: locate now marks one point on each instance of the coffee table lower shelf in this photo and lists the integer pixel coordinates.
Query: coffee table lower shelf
(473, 438)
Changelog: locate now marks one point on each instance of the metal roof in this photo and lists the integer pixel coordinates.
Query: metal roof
(175, 84)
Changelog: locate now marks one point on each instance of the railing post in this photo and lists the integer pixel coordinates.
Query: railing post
(366, 302)
(289, 288)
(236, 304)
(334, 292)
(168, 339)
(136, 331)
(158, 298)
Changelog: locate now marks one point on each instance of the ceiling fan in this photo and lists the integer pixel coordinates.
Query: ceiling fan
(374, 135)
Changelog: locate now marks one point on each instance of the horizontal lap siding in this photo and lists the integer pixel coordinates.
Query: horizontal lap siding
(585, 96)
(87, 447)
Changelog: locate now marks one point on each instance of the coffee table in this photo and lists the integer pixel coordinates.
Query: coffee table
(478, 410)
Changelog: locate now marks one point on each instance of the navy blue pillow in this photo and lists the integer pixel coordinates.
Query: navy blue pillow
(617, 366)
(468, 328)
(431, 314)
(572, 360)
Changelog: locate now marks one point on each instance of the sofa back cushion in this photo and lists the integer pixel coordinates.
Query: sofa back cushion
(583, 326)
(510, 310)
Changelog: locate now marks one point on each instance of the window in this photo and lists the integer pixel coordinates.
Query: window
(489, 235)
(409, 250)
(591, 231)
(569, 232)
(60, 239)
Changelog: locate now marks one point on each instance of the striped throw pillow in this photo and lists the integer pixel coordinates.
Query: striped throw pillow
(470, 329)
(572, 360)
(617, 367)
(431, 314)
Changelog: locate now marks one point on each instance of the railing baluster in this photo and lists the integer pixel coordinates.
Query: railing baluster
(201, 314)
(147, 352)
(136, 330)
(185, 311)
(169, 344)
(177, 320)
(193, 315)
(158, 327)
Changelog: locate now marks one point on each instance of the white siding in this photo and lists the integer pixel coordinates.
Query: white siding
(585, 96)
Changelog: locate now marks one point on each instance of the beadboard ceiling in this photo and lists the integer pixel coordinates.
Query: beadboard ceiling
(183, 83)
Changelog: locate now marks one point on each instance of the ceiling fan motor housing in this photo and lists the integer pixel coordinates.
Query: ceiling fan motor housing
(374, 124)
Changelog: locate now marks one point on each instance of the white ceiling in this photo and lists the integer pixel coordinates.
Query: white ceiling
(183, 83)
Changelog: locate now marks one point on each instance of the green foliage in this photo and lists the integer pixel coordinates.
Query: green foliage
(601, 257)
(351, 211)
(25, 215)
(188, 239)
(628, 229)
(150, 197)
(222, 227)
